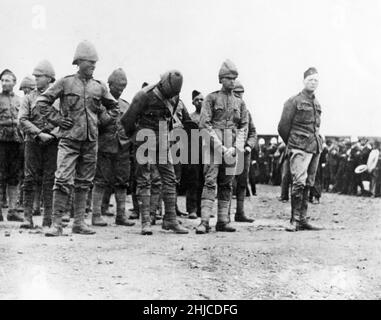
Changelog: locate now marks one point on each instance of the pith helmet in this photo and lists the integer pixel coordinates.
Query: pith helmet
(85, 51)
(44, 68)
(228, 69)
(28, 82)
(238, 87)
(118, 76)
(171, 83)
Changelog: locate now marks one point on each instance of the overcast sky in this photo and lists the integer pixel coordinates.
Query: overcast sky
(272, 42)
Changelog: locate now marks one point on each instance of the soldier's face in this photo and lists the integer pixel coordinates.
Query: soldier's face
(42, 81)
(87, 67)
(197, 102)
(116, 89)
(228, 83)
(311, 82)
(27, 90)
(7, 83)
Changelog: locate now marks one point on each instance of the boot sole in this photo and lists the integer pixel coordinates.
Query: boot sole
(176, 231)
(84, 233)
(124, 224)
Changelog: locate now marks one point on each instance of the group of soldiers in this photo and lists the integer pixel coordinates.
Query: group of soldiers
(76, 137)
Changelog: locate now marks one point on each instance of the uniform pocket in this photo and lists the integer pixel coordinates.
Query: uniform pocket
(304, 112)
(71, 100)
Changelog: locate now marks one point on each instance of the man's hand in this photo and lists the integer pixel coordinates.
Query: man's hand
(247, 149)
(66, 123)
(230, 152)
(45, 137)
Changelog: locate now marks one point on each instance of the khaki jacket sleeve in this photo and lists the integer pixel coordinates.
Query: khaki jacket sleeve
(130, 117)
(46, 100)
(242, 128)
(252, 133)
(206, 120)
(24, 115)
(109, 110)
(285, 123)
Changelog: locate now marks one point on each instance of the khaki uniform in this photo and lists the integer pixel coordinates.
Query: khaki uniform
(84, 101)
(224, 117)
(11, 157)
(40, 158)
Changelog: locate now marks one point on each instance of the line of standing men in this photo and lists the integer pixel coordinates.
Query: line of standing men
(87, 137)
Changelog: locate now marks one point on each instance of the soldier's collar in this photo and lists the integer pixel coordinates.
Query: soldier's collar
(308, 94)
(223, 90)
(83, 78)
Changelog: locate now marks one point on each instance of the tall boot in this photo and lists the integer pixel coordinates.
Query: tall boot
(37, 200)
(240, 212)
(206, 210)
(296, 208)
(223, 217)
(96, 218)
(13, 215)
(28, 209)
(144, 210)
(69, 212)
(106, 202)
(60, 201)
(154, 203)
(120, 199)
(135, 211)
(48, 204)
(20, 197)
(79, 225)
(89, 201)
(170, 220)
(303, 224)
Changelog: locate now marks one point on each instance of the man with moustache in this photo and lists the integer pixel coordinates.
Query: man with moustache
(10, 144)
(83, 103)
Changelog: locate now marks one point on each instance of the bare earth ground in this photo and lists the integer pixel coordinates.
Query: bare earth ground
(261, 261)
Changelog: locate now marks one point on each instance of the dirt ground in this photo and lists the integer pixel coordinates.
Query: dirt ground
(260, 261)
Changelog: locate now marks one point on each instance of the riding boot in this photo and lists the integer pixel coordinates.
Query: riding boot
(170, 220)
(206, 210)
(144, 210)
(223, 223)
(120, 199)
(79, 225)
(97, 195)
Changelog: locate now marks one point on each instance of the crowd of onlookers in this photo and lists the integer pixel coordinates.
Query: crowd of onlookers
(336, 171)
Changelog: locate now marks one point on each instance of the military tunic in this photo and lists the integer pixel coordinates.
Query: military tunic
(114, 149)
(10, 140)
(299, 128)
(224, 117)
(84, 101)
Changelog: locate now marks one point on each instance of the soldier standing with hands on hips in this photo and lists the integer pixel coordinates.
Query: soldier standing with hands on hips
(83, 103)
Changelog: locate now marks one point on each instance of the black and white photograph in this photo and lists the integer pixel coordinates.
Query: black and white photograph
(190, 151)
